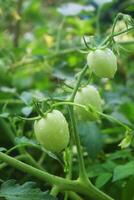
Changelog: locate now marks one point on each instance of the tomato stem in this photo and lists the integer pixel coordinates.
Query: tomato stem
(116, 34)
(54, 191)
(109, 117)
(64, 184)
(82, 170)
(82, 73)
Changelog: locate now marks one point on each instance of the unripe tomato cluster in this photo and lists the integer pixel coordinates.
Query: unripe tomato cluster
(52, 131)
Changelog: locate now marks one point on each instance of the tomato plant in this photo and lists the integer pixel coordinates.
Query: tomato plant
(66, 120)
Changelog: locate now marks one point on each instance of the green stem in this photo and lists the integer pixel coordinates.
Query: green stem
(114, 23)
(71, 185)
(69, 173)
(82, 73)
(115, 120)
(41, 175)
(55, 190)
(58, 39)
(100, 113)
(123, 31)
(17, 28)
(24, 157)
(115, 35)
(42, 157)
(33, 162)
(74, 196)
(11, 101)
(20, 157)
(66, 196)
(23, 63)
(82, 169)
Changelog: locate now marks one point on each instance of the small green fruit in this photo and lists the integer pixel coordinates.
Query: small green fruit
(88, 96)
(52, 131)
(103, 62)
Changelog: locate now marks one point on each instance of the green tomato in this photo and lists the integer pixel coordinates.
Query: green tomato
(88, 96)
(103, 62)
(52, 131)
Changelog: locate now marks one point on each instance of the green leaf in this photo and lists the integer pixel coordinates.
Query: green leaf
(27, 110)
(26, 97)
(95, 170)
(3, 149)
(10, 190)
(123, 171)
(4, 115)
(25, 140)
(8, 90)
(91, 138)
(130, 8)
(103, 179)
(128, 110)
(121, 154)
(109, 165)
(121, 117)
(128, 190)
(126, 142)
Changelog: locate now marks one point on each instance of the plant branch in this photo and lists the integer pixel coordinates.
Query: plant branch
(115, 22)
(109, 117)
(116, 34)
(82, 169)
(28, 61)
(75, 185)
(58, 38)
(17, 28)
(20, 157)
(54, 191)
(82, 73)
(74, 196)
(41, 175)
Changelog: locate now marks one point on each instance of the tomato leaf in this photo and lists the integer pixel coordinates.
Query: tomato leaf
(3, 149)
(4, 115)
(10, 190)
(123, 171)
(91, 138)
(103, 179)
(26, 97)
(27, 110)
